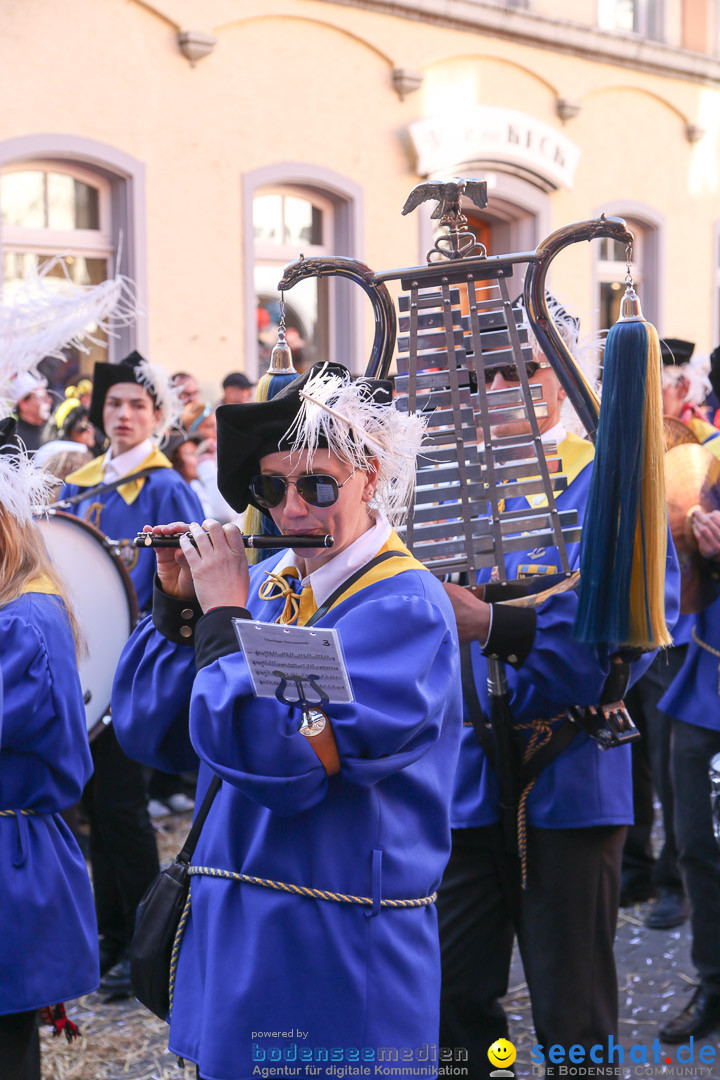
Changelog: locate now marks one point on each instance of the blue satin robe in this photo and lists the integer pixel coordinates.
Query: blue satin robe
(49, 950)
(584, 785)
(254, 960)
(694, 695)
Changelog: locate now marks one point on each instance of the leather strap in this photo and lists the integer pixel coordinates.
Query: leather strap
(326, 749)
(324, 744)
(90, 493)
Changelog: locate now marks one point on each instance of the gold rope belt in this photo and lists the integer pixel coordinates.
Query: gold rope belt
(280, 886)
(704, 644)
(708, 648)
(541, 734)
(14, 813)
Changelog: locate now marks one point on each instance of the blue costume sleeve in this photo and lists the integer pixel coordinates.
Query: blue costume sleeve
(150, 698)
(44, 750)
(400, 682)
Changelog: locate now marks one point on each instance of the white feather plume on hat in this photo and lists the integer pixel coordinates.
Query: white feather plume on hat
(345, 415)
(39, 319)
(24, 488)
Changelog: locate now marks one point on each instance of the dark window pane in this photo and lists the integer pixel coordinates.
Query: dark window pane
(71, 203)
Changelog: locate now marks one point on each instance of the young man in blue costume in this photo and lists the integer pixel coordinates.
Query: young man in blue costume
(49, 950)
(132, 403)
(693, 701)
(358, 811)
(575, 810)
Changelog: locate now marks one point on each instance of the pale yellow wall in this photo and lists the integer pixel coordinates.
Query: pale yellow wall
(306, 81)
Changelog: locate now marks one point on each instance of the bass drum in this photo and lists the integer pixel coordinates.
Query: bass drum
(103, 599)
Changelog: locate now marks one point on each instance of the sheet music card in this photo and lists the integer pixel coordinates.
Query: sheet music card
(295, 664)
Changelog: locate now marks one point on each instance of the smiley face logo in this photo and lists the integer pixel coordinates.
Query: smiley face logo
(502, 1053)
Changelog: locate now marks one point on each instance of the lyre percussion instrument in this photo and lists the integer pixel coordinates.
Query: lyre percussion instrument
(457, 324)
(103, 599)
(692, 484)
(261, 542)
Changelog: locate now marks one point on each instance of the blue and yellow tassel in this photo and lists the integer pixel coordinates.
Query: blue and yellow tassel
(624, 543)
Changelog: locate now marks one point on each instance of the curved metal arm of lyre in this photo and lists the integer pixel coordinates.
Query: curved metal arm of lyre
(578, 389)
(383, 344)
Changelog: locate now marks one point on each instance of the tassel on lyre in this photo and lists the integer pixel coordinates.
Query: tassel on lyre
(280, 372)
(624, 544)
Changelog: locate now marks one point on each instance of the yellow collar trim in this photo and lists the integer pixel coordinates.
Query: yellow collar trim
(388, 569)
(91, 475)
(41, 584)
(707, 434)
(575, 454)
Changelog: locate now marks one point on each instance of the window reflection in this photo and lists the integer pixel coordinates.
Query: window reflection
(35, 199)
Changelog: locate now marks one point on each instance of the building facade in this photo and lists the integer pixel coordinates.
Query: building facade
(200, 145)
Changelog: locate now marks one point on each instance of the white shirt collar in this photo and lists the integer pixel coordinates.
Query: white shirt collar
(557, 434)
(128, 462)
(330, 576)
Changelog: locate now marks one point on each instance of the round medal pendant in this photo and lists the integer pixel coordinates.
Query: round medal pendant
(314, 721)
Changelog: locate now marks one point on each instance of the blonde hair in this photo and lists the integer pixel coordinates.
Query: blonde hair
(23, 559)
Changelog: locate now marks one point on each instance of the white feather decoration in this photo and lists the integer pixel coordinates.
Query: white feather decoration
(38, 318)
(167, 397)
(343, 414)
(24, 488)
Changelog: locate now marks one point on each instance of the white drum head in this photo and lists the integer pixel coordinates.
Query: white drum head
(101, 594)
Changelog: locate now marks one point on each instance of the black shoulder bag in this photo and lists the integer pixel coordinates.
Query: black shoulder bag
(157, 919)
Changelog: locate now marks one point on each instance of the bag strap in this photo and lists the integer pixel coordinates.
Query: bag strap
(194, 834)
(349, 582)
(90, 493)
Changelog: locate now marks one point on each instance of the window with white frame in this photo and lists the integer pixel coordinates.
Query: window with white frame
(288, 221)
(50, 209)
(643, 17)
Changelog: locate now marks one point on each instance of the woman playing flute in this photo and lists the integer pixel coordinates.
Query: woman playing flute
(333, 954)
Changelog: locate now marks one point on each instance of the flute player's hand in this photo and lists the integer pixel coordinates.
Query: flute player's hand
(218, 566)
(172, 566)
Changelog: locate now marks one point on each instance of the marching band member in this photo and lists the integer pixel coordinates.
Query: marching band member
(575, 809)
(692, 701)
(132, 403)
(361, 810)
(47, 922)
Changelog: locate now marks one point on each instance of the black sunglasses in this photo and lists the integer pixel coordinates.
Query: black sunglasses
(509, 371)
(317, 489)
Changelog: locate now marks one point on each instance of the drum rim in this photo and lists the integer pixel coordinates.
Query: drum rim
(102, 539)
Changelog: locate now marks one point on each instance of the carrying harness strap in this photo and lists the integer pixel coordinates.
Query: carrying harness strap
(90, 493)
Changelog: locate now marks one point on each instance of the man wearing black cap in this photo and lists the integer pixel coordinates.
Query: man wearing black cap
(237, 389)
(131, 402)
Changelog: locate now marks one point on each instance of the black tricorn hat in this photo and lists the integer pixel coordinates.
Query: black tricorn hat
(246, 433)
(106, 375)
(676, 351)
